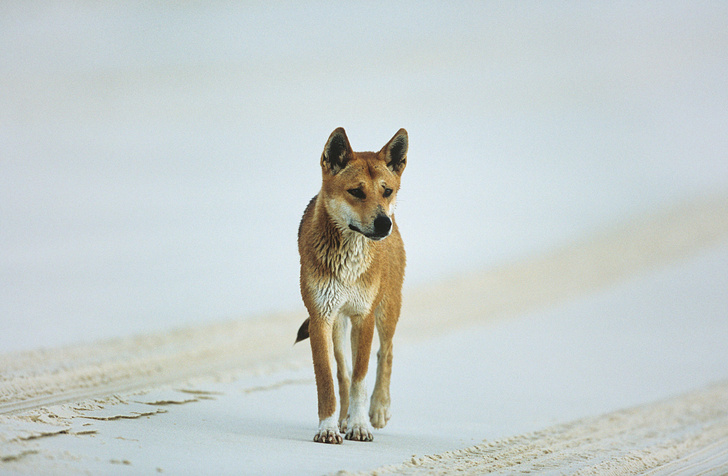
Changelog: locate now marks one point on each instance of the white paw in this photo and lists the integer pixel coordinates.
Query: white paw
(360, 432)
(328, 432)
(379, 414)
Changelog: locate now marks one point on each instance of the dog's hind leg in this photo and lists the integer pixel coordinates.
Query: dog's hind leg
(343, 370)
(362, 332)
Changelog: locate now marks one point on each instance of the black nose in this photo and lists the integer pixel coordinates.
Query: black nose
(382, 225)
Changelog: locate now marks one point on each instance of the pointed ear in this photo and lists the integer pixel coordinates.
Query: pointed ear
(337, 152)
(396, 152)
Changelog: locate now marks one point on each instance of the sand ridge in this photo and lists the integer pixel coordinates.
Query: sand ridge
(689, 432)
(634, 246)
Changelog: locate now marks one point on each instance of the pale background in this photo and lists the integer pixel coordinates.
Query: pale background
(155, 159)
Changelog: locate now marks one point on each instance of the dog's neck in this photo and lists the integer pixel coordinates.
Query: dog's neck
(344, 253)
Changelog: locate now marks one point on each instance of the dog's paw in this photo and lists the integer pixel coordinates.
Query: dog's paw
(328, 436)
(379, 414)
(360, 433)
(343, 424)
(328, 432)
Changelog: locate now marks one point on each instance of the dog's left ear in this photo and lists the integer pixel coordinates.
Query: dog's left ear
(396, 152)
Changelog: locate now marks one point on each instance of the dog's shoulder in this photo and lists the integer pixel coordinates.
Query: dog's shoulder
(307, 213)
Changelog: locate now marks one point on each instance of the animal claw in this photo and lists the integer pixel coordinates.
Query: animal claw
(359, 433)
(328, 436)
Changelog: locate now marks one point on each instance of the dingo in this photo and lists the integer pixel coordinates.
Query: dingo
(352, 268)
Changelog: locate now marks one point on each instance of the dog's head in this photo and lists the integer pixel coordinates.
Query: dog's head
(360, 188)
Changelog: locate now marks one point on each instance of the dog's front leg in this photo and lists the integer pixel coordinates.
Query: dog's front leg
(320, 334)
(379, 409)
(362, 332)
(343, 370)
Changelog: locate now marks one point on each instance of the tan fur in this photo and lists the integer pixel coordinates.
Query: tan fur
(352, 268)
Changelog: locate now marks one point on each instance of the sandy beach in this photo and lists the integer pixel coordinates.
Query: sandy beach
(566, 363)
(563, 209)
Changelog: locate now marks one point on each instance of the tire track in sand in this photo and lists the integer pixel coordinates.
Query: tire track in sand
(683, 435)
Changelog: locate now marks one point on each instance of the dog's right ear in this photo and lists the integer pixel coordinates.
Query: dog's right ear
(337, 152)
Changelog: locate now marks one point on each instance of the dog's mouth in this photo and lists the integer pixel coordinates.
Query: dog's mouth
(371, 236)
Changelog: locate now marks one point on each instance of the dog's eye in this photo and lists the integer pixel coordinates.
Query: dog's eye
(387, 192)
(357, 193)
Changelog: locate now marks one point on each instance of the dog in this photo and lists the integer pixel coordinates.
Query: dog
(352, 269)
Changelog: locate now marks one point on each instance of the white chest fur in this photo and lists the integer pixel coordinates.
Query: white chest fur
(343, 291)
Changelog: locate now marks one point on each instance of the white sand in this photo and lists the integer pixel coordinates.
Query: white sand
(144, 150)
(525, 357)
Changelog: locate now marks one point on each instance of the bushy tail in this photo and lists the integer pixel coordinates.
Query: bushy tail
(302, 331)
